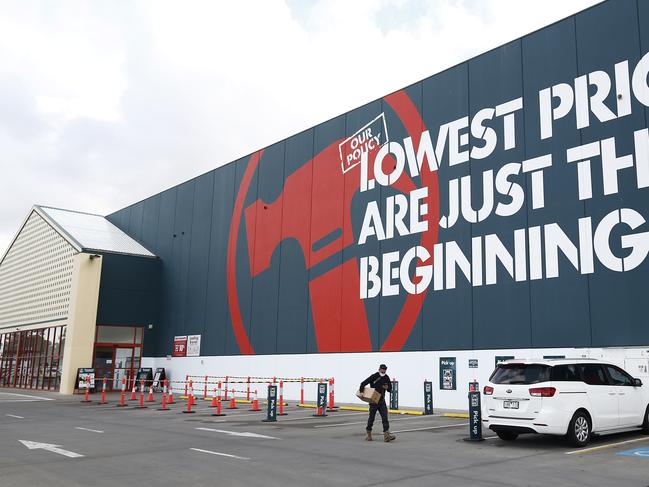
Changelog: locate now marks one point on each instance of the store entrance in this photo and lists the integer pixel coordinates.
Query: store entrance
(118, 358)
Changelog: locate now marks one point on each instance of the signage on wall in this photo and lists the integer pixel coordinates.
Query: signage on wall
(505, 172)
(193, 345)
(180, 346)
(367, 139)
(473, 363)
(447, 373)
(501, 358)
(420, 157)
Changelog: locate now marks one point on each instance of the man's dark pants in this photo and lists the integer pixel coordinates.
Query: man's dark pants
(383, 411)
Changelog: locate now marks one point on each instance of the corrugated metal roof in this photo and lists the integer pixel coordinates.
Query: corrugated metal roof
(92, 232)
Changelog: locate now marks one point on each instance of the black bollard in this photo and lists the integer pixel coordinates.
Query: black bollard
(428, 397)
(271, 410)
(394, 395)
(475, 413)
(321, 410)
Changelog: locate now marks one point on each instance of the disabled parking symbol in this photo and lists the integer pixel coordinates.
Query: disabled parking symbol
(636, 452)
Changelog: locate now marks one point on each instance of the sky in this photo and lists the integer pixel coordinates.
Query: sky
(103, 104)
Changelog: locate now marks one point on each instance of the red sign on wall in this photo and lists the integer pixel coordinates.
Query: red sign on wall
(180, 346)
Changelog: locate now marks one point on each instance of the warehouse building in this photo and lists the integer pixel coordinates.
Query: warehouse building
(496, 209)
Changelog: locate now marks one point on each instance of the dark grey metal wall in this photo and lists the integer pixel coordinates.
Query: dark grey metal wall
(255, 286)
(129, 293)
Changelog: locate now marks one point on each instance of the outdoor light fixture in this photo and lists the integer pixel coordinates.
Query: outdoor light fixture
(94, 256)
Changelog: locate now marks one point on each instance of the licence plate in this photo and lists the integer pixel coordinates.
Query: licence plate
(510, 404)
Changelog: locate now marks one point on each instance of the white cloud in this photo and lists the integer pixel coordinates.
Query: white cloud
(106, 103)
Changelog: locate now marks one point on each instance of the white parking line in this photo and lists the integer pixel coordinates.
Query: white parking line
(601, 447)
(363, 422)
(431, 428)
(6, 401)
(242, 415)
(15, 416)
(308, 417)
(87, 429)
(30, 397)
(220, 454)
(244, 434)
(335, 425)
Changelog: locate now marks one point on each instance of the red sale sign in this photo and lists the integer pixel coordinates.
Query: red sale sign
(180, 346)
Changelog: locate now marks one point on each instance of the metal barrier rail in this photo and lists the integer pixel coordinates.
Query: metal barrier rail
(257, 379)
(204, 384)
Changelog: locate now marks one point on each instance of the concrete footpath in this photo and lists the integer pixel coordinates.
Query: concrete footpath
(51, 440)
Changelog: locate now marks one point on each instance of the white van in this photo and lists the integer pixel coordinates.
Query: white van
(569, 397)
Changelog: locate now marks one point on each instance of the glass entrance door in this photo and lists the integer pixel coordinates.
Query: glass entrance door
(116, 362)
(103, 365)
(123, 366)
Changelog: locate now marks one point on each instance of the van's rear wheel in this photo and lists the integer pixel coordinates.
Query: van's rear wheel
(579, 429)
(507, 435)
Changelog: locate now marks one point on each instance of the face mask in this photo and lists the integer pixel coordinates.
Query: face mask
(382, 374)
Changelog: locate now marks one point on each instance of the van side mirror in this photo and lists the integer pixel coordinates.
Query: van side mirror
(637, 382)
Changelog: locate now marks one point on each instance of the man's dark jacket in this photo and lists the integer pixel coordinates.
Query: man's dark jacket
(377, 382)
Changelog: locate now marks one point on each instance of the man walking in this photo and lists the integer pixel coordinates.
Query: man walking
(380, 381)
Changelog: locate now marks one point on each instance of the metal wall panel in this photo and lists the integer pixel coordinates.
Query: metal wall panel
(553, 60)
(164, 250)
(150, 222)
(400, 315)
(181, 253)
(501, 312)
(326, 235)
(293, 301)
(128, 293)
(447, 314)
(360, 320)
(218, 329)
(135, 221)
(245, 247)
(198, 268)
(605, 36)
(266, 257)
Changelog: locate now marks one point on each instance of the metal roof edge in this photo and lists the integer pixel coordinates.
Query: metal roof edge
(42, 211)
(57, 227)
(112, 252)
(36, 209)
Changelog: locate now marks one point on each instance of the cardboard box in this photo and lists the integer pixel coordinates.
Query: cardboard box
(369, 395)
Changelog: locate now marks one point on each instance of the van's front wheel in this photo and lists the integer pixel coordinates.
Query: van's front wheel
(579, 429)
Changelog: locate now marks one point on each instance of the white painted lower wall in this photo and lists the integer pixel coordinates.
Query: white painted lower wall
(409, 368)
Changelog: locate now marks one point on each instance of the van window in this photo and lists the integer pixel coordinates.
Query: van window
(520, 374)
(564, 373)
(593, 374)
(619, 377)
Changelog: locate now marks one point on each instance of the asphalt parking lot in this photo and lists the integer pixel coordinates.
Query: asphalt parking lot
(52, 440)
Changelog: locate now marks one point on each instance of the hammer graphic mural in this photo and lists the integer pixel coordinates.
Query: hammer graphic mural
(314, 208)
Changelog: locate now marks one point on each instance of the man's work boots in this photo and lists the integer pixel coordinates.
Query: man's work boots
(368, 436)
(387, 436)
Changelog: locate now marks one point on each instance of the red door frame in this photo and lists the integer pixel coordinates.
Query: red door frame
(133, 345)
